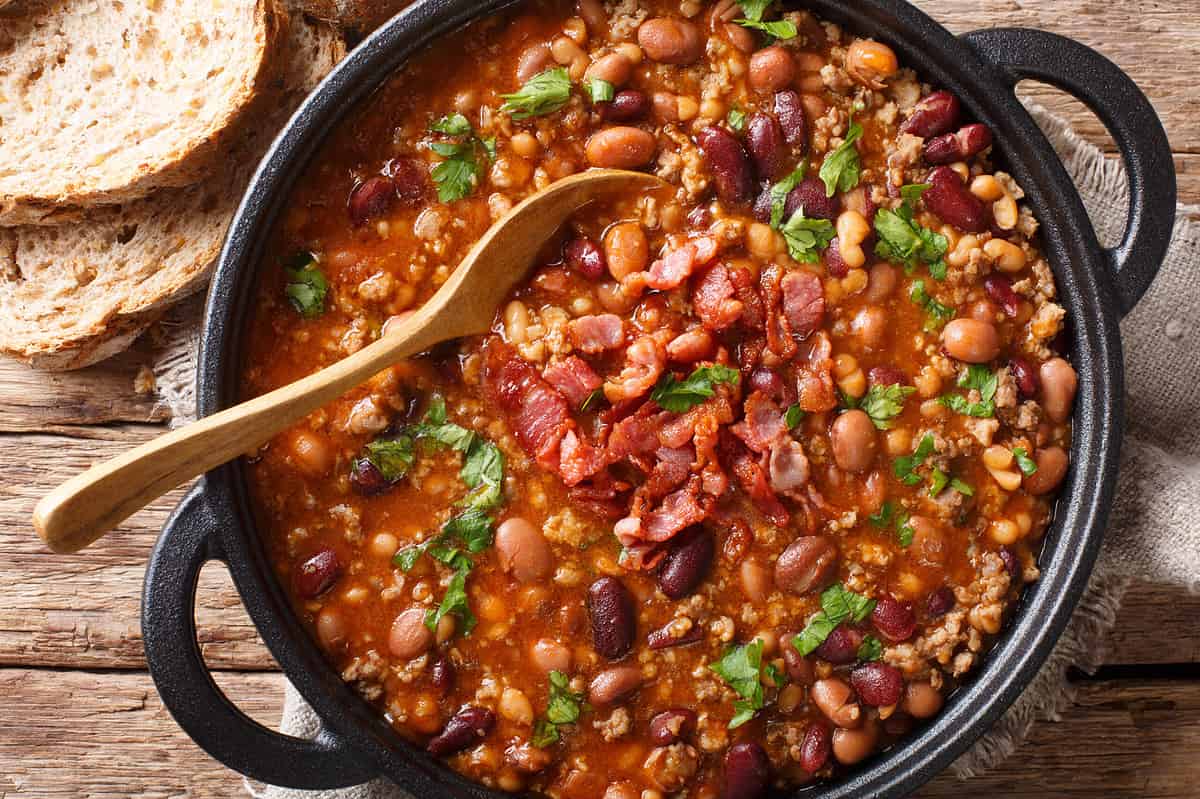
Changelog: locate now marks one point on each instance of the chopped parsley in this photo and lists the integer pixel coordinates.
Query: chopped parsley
(306, 287)
(838, 605)
(563, 707)
(889, 514)
(805, 237)
(458, 175)
(904, 530)
(393, 457)
(938, 481)
(736, 119)
(978, 378)
(592, 400)
(781, 190)
(742, 668)
(1025, 463)
(472, 528)
(678, 396)
(885, 403)
(962, 487)
(544, 93)
(793, 416)
(870, 649)
(905, 467)
(936, 314)
(754, 9)
(902, 240)
(454, 603)
(483, 463)
(600, 90)
(777, 29)
(882, 517)
(842, 168)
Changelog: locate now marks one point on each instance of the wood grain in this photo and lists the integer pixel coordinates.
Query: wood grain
(79, 733)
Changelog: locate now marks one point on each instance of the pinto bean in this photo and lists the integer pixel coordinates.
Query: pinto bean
(806, 565)
(692, 346)
(614, 684)
(832, 697)
(317, 574)
(877, 684)
(854, 746)
(614, 68)
(729, 163)
(613, 617)
(620, 148)
(1059, 384)
(934, 115)
(771, 69)
(755, 580)
(628, 105)
(881, 282)
(671, 725)
(466, 728)
(331, 627)
(870, 324)
(921, 700)
(789, 110)
(686, 563)
(815, 747)
(870, 63)
(549, 655)
(668, 40)
(533, 59)
(765, 141)
(854, 441)
(747, 771)
(409, 637)
(626, 249)
(949, 198)
(971, 340)
(1052, 463)
(523, 550)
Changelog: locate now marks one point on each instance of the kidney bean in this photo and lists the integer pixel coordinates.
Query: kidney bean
(854, 442)
(442, 674)
(367, 479)
(921, 700)
(523, 550)
(371, 198)
(771, 69)
(840, 647)
(1052, 465)
(1000, 289)
(620, 148)
(669, 40)
(729, 163)
(614, 684)
(799, 668)
(611, 608)
(628, 105)
(940, 602)
(835, 264)
(409, 637)
(854, 746)
(971, 340)
(747, 771)
(1025, 376)
(686, 563)
(764, 140)
(966, 143)
(1059, 384)
(894, 621)
(814, 747)
(466, 728)
(700, 217)
(410, 180)
(767, 381)
(934, 115)
(663, 639)
(886, 376)
(877, 684)
(810, 195)
(671, 725)
(317, 574)
(1011, 564)
(585, 257)
(331, 627)
(789, 110)
(832, 697)
(949, 198)
(806, 565)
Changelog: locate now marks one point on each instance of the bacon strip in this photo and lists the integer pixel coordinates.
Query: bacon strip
(574, 378)
(803, 302)
(597, 333)
(670, 271)
(713, 299)
(538, 415)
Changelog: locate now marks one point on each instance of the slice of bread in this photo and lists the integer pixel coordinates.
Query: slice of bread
(356, 15)
(102, 101)
(76, 293)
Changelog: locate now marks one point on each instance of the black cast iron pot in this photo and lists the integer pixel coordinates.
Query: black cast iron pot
(1097, 286)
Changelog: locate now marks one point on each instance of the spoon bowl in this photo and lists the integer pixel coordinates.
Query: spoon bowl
(84, 508)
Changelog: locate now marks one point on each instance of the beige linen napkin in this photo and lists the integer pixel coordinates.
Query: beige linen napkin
(1155, 529)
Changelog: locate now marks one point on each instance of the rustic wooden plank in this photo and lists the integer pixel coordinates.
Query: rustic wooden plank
(68, 734)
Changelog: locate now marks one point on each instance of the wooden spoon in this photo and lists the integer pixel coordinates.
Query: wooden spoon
(87, 506)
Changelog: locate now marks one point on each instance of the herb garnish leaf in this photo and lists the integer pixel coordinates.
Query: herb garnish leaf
(884, 403)
(306, 287)
(805, 237)
(678, 396)
(936, 314)
(905, 467)
(544, 93)
(742, 668)
(842, 168)
(902, 240)
(978, 378)
(838, 605)
(1026, 464)
(781, 190)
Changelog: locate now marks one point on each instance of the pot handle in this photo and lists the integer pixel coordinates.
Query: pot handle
(1100, 84)
(186, 686)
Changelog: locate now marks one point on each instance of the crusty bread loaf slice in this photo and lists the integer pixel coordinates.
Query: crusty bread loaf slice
(357, 15)
(76, 293)
(103, 101)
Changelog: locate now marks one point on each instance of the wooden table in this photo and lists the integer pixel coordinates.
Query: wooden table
(80, 717)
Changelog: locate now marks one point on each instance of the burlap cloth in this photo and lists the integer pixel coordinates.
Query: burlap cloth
(1155, 530)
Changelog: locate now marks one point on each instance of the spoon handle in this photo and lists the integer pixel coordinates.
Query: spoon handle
(88, 505)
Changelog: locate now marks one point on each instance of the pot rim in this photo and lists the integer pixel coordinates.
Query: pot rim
(1070, 546)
